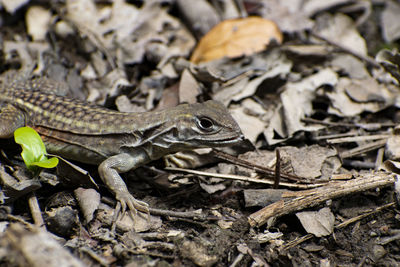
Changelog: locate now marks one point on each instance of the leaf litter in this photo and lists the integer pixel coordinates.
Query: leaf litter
(324, 93)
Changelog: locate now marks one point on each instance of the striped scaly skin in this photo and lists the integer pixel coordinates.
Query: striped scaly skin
(116, 141)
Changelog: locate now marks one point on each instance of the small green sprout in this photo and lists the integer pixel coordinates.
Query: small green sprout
(33, 149)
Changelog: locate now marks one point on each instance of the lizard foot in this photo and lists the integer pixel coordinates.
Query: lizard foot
(125, 200)
(185, 159)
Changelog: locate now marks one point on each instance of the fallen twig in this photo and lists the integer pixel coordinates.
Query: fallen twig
(299, 200)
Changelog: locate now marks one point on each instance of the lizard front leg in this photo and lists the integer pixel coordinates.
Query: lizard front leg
(109, 171)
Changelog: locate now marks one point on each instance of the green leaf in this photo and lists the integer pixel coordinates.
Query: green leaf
(33, 149)
(47, 163)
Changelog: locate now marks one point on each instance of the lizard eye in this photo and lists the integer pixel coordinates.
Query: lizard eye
(205, 124)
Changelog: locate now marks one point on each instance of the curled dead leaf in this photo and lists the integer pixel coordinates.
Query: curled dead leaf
(236, 37)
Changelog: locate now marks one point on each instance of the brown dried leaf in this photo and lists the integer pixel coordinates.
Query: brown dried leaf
(390, 22)
(346, 98)
(252, 126)
(297, 104)
(89, 201)
(290, 15)
(197, 252)
(392, 150)
(343, 30)
(236, 37)
(189, 88)
(38, 22)
(321, 162)
(320, 223)
(390, 60)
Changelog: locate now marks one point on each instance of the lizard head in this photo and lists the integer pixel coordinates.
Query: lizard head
(207, 124)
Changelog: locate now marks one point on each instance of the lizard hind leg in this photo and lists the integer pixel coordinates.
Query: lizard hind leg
(11, 118)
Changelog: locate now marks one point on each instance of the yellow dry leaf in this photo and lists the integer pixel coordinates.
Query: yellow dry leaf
(236, 37)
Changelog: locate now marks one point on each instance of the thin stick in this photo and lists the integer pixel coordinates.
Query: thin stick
(358, 138)
(363, 149)
(362, 216)
(35, 210)
(366, 59)
(243, 178)
(277, 169)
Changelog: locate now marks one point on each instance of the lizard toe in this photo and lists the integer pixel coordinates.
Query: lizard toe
(126, 200)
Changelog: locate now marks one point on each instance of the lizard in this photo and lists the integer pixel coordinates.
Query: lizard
(115, 141)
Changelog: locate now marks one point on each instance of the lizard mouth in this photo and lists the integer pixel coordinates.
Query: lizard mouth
(228, 141)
